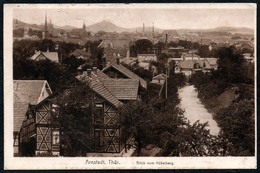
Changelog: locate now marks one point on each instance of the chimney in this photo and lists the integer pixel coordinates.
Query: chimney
(95, 70)
(79, 70)
(117, 61)
(166, 40)
(89, 72)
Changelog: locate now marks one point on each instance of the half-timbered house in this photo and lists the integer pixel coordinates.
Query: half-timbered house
(39, 131)
(26, 92)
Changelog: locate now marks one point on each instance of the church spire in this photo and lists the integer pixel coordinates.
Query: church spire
(84, 26)
(45, 24)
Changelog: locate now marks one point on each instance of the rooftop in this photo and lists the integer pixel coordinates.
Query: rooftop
(53, 56)
(26, 92)
(122, 69)
(122, 89)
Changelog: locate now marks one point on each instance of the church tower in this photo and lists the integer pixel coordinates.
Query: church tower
(45, 32)
(84, 27)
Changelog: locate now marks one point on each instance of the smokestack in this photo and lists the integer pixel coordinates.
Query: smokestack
(166, 40)
(153, 32)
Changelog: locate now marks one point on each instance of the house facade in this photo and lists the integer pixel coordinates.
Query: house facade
(189, 67)
(52, 56)
(26, 93)
(40, 135)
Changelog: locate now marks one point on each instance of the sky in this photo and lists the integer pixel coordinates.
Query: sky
(166, 16)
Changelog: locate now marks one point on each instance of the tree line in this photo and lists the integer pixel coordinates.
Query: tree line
(237, 119)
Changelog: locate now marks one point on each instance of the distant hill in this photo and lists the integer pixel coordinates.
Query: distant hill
(242, 30)
(65, 27)
(110, 27)
(107, 27)
(19, 24)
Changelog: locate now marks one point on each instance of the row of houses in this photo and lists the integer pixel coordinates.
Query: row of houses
(34, 132)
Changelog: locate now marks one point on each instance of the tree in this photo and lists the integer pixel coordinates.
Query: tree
(56, 74)
(72, 63)
(146, 122)
(203, 51)
(159, 46)
(142, 46)
(238, 125)
(97, 53)
(76, 112)
(230, 65)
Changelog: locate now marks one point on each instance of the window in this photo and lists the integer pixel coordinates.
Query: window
(99, 135)
(99, 118)
(55, 137)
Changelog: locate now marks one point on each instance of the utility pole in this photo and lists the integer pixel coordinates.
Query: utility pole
(166, 83)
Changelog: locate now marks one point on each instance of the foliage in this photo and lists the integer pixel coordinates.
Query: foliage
(76, 109)
(23, 49)
(72, 63)
(237, 120)
(18, 32)
(140, 71)
(155, 119)
(230, 65)
(32, 32)
(203, 51)
(141, 46)
(159, 46)
(96, 52)
(237, 123)
(56, 74)
(163, 58)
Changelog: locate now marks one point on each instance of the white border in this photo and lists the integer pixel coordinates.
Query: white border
(20, 163)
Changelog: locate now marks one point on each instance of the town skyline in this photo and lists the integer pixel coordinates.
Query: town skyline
(163, 18)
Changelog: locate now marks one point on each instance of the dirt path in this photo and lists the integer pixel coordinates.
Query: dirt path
(195, 110)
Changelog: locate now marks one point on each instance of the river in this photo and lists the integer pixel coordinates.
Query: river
(195, 110)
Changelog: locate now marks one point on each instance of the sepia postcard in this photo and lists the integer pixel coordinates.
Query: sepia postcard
(130, 86)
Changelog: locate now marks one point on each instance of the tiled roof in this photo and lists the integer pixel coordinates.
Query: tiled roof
(115, 43)
(80, 52)
(20, 109)
(25, 92)
(100, 89)
(122, 69)
(123, 89)
(189, 64)
(160, 77)
(53, 56)
(190, 55)
(99, 75)
(128, 61)
(203, 63)
(212, 61)
(144, 65)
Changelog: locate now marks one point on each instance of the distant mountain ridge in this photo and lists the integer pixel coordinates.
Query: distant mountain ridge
(107, 26)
